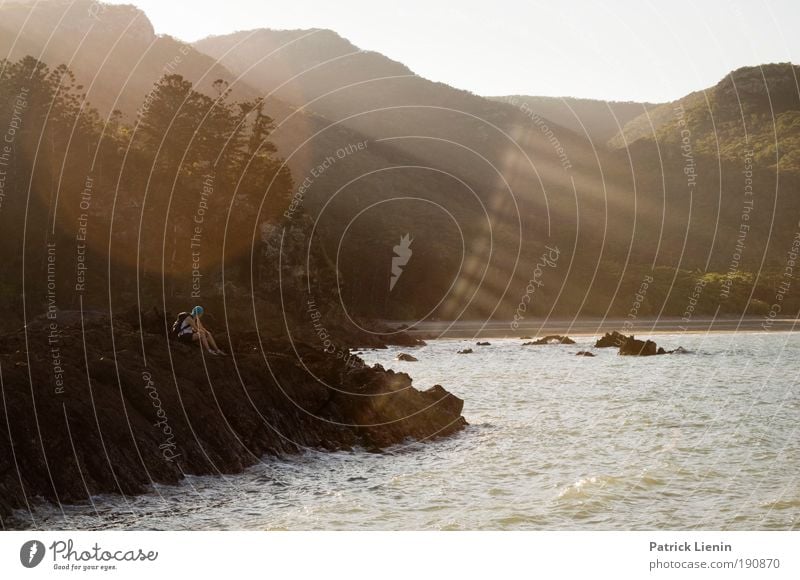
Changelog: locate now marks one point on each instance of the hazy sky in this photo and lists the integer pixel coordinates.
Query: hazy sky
(617, 50)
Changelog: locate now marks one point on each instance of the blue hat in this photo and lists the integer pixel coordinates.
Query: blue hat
(197, 311)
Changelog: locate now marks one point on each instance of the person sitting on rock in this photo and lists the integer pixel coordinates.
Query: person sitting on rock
(191, 330)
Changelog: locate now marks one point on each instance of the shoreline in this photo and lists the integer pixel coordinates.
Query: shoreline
(186, 413)
(431, 330)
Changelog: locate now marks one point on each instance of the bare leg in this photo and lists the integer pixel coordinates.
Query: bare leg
(213, 343)
(203, 339)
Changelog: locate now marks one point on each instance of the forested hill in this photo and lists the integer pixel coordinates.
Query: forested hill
(100, 215)
(755, 108)
(105, 227)
(632, 212)
(113, 50)
(483, 188)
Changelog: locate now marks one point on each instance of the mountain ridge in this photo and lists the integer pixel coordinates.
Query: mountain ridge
(446, 165)
(760, 96)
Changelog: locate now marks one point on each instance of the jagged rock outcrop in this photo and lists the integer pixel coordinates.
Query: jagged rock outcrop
(610, 340)
(551, 339)
(633, 347)
(112, 410)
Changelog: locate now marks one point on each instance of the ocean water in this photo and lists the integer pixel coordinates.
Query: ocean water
(704, 440)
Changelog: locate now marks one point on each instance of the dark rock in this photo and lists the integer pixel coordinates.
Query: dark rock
(584, 353)
(465, 351)
(406, 357)
(634, 347)
(679, 350)
(610, 339)
(483, 343)
(551, 339)
(181, 414)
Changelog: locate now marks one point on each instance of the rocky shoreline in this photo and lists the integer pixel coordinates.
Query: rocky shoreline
(631, 346)
(92, 411)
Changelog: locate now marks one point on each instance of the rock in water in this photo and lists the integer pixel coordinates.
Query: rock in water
(551, 339)
(406, 357)
(465, 351)
(610, 339)
(584, 353)
(634, 347)
(483, 343)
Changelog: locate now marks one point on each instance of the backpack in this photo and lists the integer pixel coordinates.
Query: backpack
(176, 326)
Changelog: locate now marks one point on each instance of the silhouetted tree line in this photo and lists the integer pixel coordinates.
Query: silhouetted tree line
(94, 209)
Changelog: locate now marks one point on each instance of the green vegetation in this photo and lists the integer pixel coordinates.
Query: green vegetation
(753, 108)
